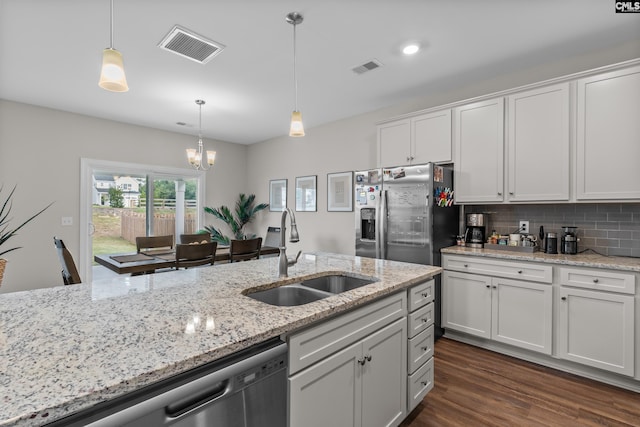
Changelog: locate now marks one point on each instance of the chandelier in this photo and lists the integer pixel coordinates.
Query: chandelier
(195, 156)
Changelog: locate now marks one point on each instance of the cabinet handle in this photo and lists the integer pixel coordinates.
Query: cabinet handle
(426, 294)
(408, 159)
(519, 271)
(488, 287)
(499, 193)
(466, 265)
(511, 193)
(595, 280)
(424, 320)
(424, 383)
(424, 348)
(494, 287)
(368, 357)
(362, 361)
(563, 298)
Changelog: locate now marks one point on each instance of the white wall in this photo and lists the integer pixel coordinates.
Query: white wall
(40, 151)
(350, 144)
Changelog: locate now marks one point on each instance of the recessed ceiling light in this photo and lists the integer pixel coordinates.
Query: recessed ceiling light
(411, 49)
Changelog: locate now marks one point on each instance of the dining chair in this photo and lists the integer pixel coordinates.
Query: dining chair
(156, 244)
(195, 238)
(70, 275)
(191, 255)
(273, 237)
(244, 250)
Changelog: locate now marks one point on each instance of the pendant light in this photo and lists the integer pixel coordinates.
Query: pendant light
(195, 156)
(297, 128)
(112, 77)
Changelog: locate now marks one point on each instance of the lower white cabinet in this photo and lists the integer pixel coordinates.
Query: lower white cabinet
(514, 312)
(361, 385)
(597, 329)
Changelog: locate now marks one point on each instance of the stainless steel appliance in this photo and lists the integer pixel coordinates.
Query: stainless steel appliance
(406, 214)
(476, 231)
(247, 389)
(551, 243)
(569, 240)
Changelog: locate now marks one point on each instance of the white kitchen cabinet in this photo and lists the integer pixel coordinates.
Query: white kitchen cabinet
(608, 136)
(394, 143)
(596, 319)
(420, 344)
(420, 139)
(514, 312)
(479, 152)
(361, 385)
(351, 370)
(431, 137)
(538, 145)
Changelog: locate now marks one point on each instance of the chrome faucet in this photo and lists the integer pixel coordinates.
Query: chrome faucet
(283, 262)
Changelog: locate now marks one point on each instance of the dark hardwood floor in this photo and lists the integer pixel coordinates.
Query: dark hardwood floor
(476, 387)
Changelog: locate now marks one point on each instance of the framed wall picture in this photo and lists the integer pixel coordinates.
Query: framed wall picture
(340, 192)
(277, 195)
(306, 193)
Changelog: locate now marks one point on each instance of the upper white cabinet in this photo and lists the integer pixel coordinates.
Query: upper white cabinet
(538, 145)
(479, 151)
(608, 136)
(420, 139)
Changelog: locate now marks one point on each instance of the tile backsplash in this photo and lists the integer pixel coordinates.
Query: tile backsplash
(607, 228)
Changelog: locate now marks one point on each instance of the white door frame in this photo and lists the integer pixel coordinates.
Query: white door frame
(90, 166)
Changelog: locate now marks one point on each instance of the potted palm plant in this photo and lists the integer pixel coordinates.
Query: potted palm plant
(245, 212)
(6, 232)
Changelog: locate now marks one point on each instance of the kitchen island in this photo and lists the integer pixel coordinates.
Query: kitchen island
(66, 349)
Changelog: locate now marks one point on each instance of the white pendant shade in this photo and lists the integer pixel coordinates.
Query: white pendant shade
(112, 77)
(297, 128)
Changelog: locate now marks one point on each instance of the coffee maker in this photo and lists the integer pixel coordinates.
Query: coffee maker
(569, 241)
(476, 232)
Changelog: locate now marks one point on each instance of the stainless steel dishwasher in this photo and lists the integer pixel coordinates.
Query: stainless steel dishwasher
(248, 389)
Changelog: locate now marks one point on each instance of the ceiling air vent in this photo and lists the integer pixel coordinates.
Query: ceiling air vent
(367, 66)
(190, 45)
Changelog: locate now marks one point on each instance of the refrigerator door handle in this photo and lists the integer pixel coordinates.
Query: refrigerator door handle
(382, 239)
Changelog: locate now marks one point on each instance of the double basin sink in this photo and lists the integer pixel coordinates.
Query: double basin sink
(309, 290)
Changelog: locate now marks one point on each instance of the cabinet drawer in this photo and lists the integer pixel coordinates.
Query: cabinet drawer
(492, 267)
(599, 280)
(421, 294)
(420, 320)
(319, 341)
(420, 349)
(420, 383)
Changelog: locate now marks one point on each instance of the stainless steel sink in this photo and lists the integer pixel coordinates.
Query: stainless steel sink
(336, 284)
(289, 295)
(308, 290)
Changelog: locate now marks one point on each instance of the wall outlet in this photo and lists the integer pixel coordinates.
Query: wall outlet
(67, 220)
(524, 227)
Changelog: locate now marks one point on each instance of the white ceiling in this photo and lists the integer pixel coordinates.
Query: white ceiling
(50, 55)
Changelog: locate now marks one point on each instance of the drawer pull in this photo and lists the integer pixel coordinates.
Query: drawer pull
(424, 320)
(488, 286)
(424, 383)
(563, 298)
(425, 294)
(466, 265)
(494, 287)
(519, 271)
(424, 348)
(595, 280)
(362, 361)
(368, 357)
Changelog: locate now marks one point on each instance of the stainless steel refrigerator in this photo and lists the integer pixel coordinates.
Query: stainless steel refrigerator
(406, 213)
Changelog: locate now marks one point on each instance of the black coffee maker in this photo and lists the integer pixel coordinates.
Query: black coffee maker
(569, 241)
(476, 232)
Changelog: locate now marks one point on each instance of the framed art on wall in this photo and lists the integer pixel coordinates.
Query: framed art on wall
(306, 193)
(277, 195)
(340, 192)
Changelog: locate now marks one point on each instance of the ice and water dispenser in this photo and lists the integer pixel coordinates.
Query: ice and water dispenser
(368, 223)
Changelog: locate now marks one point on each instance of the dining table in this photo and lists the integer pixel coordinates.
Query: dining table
(150, 261)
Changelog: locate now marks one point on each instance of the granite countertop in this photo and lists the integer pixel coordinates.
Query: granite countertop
(64, 349)
(580, 260)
